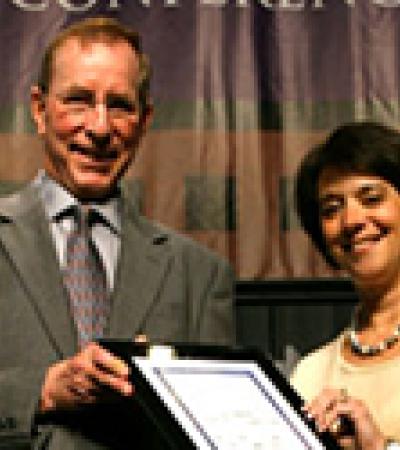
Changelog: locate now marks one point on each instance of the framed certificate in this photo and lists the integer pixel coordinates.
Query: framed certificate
(218, 398)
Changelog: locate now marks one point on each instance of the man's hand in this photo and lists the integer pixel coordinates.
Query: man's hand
(331, 404)
(84, 378)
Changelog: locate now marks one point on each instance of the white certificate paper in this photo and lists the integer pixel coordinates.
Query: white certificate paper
(227, 405)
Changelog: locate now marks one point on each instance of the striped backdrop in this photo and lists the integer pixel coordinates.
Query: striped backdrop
(242, 89)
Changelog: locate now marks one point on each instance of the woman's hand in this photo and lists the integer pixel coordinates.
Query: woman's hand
(332, 404)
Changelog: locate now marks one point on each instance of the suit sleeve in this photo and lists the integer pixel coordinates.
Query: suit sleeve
(19, 395)
(211, 286)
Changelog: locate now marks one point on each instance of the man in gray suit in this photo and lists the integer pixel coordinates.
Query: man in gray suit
(58, 390)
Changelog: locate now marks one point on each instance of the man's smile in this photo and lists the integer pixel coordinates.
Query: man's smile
(94, 154)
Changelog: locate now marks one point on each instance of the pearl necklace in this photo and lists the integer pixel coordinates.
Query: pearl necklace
(370, 350)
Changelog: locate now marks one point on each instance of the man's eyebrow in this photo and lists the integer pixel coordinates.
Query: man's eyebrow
(121, 96)
(76, 89)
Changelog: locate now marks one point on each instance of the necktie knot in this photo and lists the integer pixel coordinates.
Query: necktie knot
(85, 217)
(82, 218)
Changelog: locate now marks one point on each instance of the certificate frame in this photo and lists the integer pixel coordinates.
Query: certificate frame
(176, 421)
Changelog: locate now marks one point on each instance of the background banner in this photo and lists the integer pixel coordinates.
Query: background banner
(242, 89)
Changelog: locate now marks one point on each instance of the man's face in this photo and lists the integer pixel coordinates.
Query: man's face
(90, 117)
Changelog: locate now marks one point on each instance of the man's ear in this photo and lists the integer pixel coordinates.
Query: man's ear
(147, 117)
(38, 109)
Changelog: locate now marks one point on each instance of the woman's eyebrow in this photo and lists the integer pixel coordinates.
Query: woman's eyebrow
(369, 187)
(329, 196)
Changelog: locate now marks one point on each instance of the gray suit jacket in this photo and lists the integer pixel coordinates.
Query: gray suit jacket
(167, 287)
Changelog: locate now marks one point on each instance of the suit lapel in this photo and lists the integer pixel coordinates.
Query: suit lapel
(145, 258)
(144, 262)
(26, 238)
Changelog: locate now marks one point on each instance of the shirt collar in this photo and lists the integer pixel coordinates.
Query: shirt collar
(57, 200)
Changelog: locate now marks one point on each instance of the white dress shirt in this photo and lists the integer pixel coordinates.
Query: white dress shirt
(106, 234)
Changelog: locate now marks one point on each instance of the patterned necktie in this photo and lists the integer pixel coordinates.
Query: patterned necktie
(85, 280)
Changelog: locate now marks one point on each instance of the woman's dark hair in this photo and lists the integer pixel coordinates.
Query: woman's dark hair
(364, 147)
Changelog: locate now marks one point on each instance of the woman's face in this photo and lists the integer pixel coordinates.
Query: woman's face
(360, 220)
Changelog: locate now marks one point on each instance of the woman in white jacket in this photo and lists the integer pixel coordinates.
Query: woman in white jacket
(348, 200)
